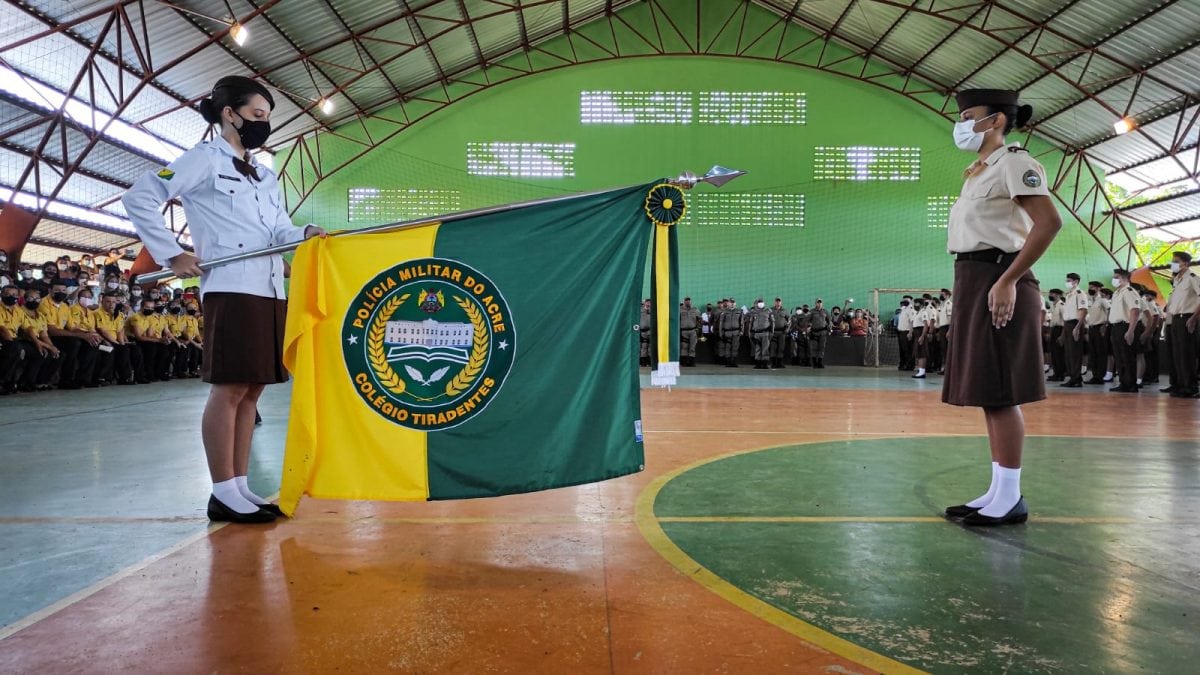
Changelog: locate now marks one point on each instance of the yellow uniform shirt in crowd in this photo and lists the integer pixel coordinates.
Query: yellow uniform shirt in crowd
(12, 318)
(35, 323)
(1097, 311)
(118, 323)
(986, 214)
(193, 326)
(57, 315)
(1124, 300)
(1075, 301)
(102, 320)
(177, 324)
(1185, 294)
(150, 328)
(83, 319)
(160, 324)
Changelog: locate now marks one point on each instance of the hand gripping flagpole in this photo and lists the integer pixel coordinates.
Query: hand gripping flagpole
(716, 176)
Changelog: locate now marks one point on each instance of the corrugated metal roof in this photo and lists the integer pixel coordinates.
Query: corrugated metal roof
(1077, 61)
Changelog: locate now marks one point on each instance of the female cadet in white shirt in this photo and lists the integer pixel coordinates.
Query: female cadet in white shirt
(1000, 226)
(233, 205)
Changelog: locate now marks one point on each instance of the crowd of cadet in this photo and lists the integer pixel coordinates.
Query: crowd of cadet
(1120, 334)
(775, 334)
(71, 324)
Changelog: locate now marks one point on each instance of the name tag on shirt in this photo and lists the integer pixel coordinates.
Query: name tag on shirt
(221, 175)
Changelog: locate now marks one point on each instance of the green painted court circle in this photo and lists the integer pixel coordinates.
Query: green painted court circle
(846, 537)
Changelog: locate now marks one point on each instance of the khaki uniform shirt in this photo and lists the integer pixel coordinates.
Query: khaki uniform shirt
(782, 319)
(986, 214)
(1185, 294)
(1097, 310)
(907, 316)
(1056, 313)
(944, 313)
(1075, 301)
(1125, 299)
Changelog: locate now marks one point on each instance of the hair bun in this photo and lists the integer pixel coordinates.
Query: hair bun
(209, 111)
(1024, 114)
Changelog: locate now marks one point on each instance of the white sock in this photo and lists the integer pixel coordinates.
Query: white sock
(920, 371)
(991, 493)
(1139, 381)
(1008, 492)
(244, 487)
(1108, 376)
(228, 494)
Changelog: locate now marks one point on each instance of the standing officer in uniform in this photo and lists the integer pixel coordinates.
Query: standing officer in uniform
(1183, 311)
(1124, 328)
(1058, 359)
(779, 334)
(760, 323)
(1097, 333)
(1074, 312)
(818, 333)
(904, 332)
(233, 205)
(731, 331)
(645, 332)
(1002, 223)
(1152, 320)
(943, 329)
(689, 333)
(706, 330)
(799, 335)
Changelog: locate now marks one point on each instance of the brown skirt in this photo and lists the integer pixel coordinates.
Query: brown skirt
(243, 339)
(989, 367)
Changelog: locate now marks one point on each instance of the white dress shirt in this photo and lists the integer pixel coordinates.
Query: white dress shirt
(227, 213)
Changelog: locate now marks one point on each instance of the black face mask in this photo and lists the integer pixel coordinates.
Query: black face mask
(119, 308)
(191, 312)
(1091, 292)
(31, 303)
(253, 133)
(162, 310)
(10, 300)
(174, 310)
(148, 312)
(59, 297)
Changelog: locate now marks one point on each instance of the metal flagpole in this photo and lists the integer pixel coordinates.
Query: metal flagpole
(716, 176)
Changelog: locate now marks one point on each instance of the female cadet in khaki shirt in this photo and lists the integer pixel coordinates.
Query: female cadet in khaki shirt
(1000, 226)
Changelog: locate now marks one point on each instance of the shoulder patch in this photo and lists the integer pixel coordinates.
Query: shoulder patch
(166, 174)
(1016, 148)
(1031, 178)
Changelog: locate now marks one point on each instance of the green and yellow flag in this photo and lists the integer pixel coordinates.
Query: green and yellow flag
(487, 356)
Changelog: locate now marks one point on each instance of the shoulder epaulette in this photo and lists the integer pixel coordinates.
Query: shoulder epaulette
(1016, 148)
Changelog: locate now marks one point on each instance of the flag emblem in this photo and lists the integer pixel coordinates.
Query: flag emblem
(428, 343)
(166, 174)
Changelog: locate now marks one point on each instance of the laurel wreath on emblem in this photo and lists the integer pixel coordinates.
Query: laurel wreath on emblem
(376, 355)
(479, 352)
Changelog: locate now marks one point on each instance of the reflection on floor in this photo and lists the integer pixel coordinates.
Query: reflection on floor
(824, 552)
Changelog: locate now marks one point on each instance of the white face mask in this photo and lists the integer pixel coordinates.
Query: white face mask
(1175, 267)
(4, 281)
(86, 302)
(965, 136)
(111, 285)
(761, 305)
(1116, 282)
(26, 274)
(1072, 285)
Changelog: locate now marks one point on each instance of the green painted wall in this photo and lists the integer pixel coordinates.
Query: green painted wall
(857, 236)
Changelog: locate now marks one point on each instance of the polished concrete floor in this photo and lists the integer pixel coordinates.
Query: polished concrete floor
(786, 521)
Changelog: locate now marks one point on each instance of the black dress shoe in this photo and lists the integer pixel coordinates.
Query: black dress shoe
(1094, 382)
(219, 513)
(1124, 390)
(1017, 515)
(1168, 390)
(1072, 385)
(960, 511)
(273, 508)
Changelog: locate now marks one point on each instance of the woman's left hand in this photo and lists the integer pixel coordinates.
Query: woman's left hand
(314, 231)
(1002, 300)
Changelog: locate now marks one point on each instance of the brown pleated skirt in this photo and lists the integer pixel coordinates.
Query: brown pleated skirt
(989, 367)
(243, 339)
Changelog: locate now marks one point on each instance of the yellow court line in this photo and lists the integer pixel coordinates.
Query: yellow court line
(653, 533)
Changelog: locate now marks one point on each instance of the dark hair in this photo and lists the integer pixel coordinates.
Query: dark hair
(1184, 256)
(1121, 273)
(1056, 291)
(1097, 284)
(232, 91)
(1014, 116)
